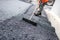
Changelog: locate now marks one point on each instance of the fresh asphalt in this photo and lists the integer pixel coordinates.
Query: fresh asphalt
(15, 28)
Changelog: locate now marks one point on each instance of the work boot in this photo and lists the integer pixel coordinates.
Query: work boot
(37, 14)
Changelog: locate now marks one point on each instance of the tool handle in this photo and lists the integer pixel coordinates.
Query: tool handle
(32, 13)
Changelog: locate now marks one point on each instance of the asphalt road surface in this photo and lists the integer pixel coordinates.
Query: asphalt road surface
(15, 28)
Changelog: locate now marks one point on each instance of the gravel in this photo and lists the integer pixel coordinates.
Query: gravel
(15, 29)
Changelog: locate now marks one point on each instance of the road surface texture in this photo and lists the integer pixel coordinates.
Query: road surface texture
(15, 28)
(12, 8)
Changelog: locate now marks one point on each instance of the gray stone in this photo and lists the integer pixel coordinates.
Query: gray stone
(3, 38)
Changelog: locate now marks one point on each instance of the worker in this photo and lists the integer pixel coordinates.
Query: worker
(41, 4)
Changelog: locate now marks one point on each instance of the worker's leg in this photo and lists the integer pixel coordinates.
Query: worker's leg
(40, 9)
